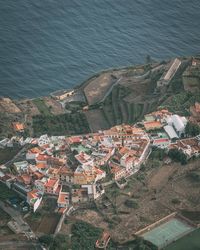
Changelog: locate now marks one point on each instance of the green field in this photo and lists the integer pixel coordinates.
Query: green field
(42, 106)
(189, 242)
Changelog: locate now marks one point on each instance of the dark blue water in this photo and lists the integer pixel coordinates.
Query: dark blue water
(46, 45)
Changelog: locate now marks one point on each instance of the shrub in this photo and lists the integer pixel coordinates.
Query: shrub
(131, 204)
(176, 201)
(46, 239)
(84, 235)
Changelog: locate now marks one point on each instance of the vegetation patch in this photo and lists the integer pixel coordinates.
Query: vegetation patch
(84, 236)
(5, 192)
(64, 124)
(131, 203)
(6, 154)
(190, 241)
(42, 106)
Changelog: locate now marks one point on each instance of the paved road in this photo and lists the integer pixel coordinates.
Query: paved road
(16, 216)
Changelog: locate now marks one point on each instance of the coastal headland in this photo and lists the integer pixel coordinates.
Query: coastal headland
(111, 97)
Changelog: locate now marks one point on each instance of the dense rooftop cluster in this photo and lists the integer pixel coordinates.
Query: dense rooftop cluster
(75, 169)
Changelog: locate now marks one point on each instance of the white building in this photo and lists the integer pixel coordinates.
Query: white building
(176, 126)
(43, 140)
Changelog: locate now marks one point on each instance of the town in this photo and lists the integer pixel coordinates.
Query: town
(76, 169)
(102, 159)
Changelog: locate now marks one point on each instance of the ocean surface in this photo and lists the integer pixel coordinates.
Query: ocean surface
(47, 45)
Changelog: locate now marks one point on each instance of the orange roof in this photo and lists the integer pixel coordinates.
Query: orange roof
(18, 126)
(115, 169)
(32, 194)
(152, 125)
(41, 165)
(75, 139)
(63, 197)
(98, 171)
(51, 182)
(123, 151)
(34, 150)
(38, 175)
(41, 157)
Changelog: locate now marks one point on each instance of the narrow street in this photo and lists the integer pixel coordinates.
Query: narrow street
(16, 216)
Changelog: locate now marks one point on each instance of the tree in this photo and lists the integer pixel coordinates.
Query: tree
(178, 156)
(46, 239)
(192, 129)
(131, 203)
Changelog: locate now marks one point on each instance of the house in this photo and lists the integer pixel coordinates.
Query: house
(152, 125)
(63, 200)
(83, 158)
(94, 191)
(190, 146)
(21, 166)
(34, 198)
(51, 186)
(117, 171)
(41, 158)
(79, 195)
(32, 153)
(25, 179)
(80, 176)
(43, 140)
(40, 184)
(18, 127)
(74, 140)
(65, 174)
(99, 173)
(42, 167)
(161, 142)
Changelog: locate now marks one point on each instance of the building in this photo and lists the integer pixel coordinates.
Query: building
(32, 153)
(79, 195)
(34, 199)
(190, 146)
(117, 171)
(21, 166)
(169, 74)
(170, 132)
(152, 125)
(51, 186)
(63, 200)
(161, 142)
(18, 127)
(178, 123)
(43, 140)
(94, 191)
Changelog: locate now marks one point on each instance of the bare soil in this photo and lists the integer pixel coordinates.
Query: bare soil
(96, 120)
(55, 107)
(97, 88)
(48, 224)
